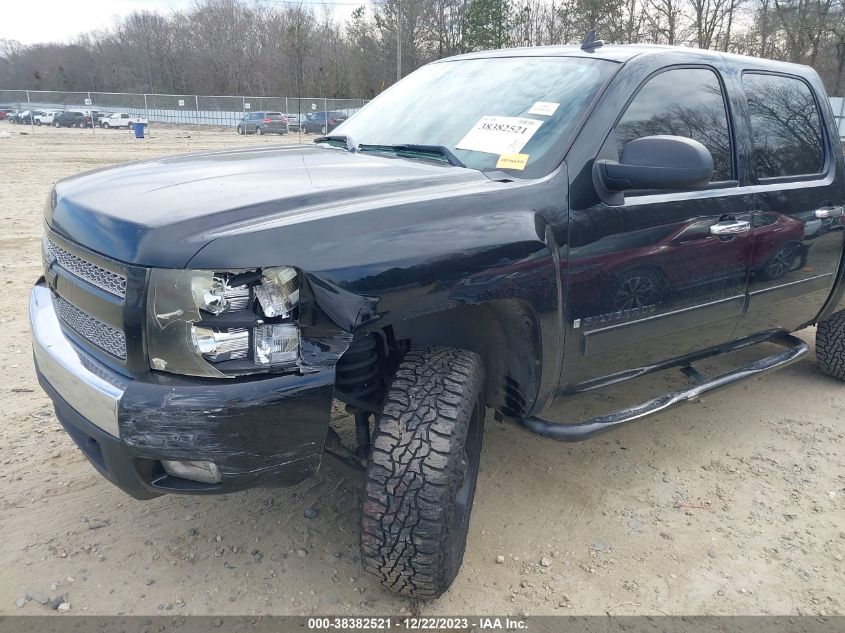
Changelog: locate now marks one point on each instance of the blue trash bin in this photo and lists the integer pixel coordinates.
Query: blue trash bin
(139, 130)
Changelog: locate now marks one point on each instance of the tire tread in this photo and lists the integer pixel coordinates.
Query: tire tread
(830, 345)
(415, 470)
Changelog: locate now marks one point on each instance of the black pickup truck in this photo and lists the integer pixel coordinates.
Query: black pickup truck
(503, 230)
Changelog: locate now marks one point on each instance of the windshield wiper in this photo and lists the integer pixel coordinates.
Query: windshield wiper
(337, 140)
(437, 151)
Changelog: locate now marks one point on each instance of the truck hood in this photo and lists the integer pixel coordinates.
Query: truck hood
(162, 212)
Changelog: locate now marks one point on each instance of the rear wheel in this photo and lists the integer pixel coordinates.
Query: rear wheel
(259, 131)
(240, 130)
(782, 261)
(323, 130)
(830, 345)
(422, 472)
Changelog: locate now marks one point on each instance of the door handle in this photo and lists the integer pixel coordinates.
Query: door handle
(730, 227)
(828, 212)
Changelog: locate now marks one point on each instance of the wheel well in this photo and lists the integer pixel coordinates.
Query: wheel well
(504, 333)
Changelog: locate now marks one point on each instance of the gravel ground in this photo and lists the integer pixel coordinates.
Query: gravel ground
(730, 505)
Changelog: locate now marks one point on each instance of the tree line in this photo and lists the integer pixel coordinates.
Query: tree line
(279, 48)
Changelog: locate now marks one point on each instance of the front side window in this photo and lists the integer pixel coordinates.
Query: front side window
(682, 102)
(785, 126)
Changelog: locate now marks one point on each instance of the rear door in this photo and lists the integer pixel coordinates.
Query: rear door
(249, 122)
(797, 184)
(655, 278)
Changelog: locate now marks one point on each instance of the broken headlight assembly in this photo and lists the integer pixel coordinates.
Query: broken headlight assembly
(223, 324)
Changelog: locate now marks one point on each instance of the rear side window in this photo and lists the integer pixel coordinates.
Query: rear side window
(682, 102)
(785, 126)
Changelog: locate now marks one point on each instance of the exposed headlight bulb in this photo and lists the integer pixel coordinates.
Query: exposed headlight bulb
(218, 345)
(215, 296)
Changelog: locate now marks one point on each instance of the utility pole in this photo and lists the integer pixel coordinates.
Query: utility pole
(399, 41)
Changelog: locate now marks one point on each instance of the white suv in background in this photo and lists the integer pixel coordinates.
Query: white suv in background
(45, 117)
(121, 119)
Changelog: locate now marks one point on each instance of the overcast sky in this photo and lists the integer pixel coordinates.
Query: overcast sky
(34, 21)
(30, 22)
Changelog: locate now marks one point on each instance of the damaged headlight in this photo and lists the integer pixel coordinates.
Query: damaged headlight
(207, 323)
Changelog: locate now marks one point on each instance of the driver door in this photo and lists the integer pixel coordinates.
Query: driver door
(656, 278)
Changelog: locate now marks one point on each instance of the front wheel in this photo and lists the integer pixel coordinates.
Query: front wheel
(422, 472)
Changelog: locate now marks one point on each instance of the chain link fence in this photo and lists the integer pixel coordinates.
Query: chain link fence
(221, 111)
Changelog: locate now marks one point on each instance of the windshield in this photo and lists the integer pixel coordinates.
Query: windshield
(511, 113)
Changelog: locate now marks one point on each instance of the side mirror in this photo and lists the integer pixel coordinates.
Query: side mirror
(658, 162)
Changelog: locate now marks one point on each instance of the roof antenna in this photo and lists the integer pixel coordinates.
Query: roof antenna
(590, 42)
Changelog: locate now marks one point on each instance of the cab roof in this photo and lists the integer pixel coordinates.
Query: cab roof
(622, 53)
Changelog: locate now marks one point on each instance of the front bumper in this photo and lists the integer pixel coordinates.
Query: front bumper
(258, 432)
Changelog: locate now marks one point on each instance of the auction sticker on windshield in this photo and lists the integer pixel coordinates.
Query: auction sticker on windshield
(544, 108)
(512, 161)
(500, 135)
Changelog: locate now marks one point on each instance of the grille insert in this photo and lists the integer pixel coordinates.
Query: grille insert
(107, 280)
(100, 334)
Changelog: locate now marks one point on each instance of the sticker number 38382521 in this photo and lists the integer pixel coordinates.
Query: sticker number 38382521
(499, 134)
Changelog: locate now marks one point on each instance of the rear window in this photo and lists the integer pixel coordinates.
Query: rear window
(785, 126)
(273, 115)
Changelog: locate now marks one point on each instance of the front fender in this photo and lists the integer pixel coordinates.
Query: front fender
(394, 261)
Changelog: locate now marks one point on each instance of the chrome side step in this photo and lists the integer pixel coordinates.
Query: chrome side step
(795, 350)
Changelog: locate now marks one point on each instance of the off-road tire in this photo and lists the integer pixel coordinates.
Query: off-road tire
(422, 472)
(830, 345)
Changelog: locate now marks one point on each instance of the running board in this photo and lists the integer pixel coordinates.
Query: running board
(796, 349)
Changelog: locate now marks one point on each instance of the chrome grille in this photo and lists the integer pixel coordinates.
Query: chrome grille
(100, 334)
(107, 280)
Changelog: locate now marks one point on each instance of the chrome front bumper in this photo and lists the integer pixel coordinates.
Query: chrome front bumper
(88, 386)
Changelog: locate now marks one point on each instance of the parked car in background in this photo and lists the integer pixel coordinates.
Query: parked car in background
(45, 117)
(322, 122)
(263, 123)
(95, 117)
(72, 118)
(121, 119)
(27, 117)
(293, 122)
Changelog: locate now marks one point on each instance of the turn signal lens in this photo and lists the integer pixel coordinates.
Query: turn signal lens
(276, 344)
(278, 292)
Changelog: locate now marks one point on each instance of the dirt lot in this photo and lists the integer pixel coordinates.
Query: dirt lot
(731, 505)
